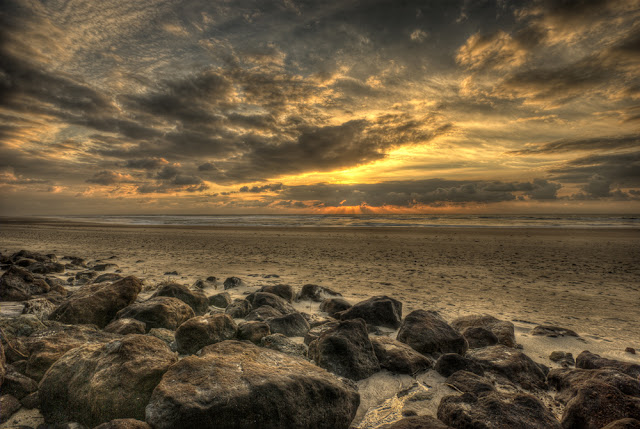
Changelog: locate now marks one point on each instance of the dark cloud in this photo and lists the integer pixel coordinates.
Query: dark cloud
(622, 169)
(146, 163)
(265, 188)
(583, 144)
(107, 177)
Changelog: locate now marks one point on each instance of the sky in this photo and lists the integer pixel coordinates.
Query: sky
(300, 106)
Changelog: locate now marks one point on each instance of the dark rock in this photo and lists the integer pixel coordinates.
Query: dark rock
(417, 422)
(8, 406)
(126, 327)
(503, 330)
(199, 284)
(46, 267)
(26, 254)
(232, 282)
(18, 385)
(332, 306)
(201, 331)
(25, 262)
(624, 424)
(315, 332)
(85, 277)
(166, 335)
(569, 381)
(18, 284)
(221, 300)
(315, 293)
(235, 385)
(263, 313)
(124, 424)
(512, 364)
(171, 273)
(317, 320)
(496, 411)
(259, 299)
(31, 401)
(3, 364)
(93, 384)
(290, 325)
(40, 307)
(428, 333)
(108, 277)
(588, 360)
(253, 331)
(450, 363)
(212, 279)
(565, 359)
(160, 312)
(468, 382)
(479, 337)
(238, 309)
(376, 311)
(346, 350)
(74, 260)
(105, 267)
(284, 345)
(398, 357)
(553, 331)
(283, 291)
(630, 350)
(197, 300)
(97, 304)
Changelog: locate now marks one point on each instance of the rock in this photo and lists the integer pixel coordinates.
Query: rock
(3, 364)
(346, 350)
(233, 385)
(21, 326)
(46, 267)
(108, 277)
(201, 331)
(105, 267)
(126, 327)
(124, 424)
(569, 381)
(315, 293)
(315, 332)
(263, 313)
(332, 306)
(85, 277)
(630, 350)
(31, 401)
(290, 325)
(496, 411)
(24, 262)
(166, 335)
(199, 284)
(553, 331)
(417, 422)
(511, 364)
(284, 345)
(450, 363)
(503, 330)
(212, 279)
(259, 299)
(26, 254)
(317, 320)
(428, 333)
(99, 303)
(253, 331)
(468, 382)
(8, 406)
(479, 337)
(221, 300)
(171, 273)
(624, 424)
(238, 309)
(283, 291)
(75, 261)
(159, 312)
(197, 300)
(40, 307)
(96, 383)
(18, 385)
(18, 284)
(398, 357)
(376, 311)
(232, 282)
(565, 359)
(588, 360)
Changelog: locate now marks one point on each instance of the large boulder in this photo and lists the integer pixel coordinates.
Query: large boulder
(238, 309)
(263, 313)
(259, 299)
(428, 333)
(283, 291)
(18, 284)
(468, 382)
(290, 325)
(315, 293)
(40, 307)
(17, 384)
(376, 311)
(221, 300)
(235, 384)
(496, 411)
(126, 326)
(588, 360)
(449, 363)
(503, 330)
(284, 345)
(568, 381)
(398, 357)
(159, 312)
(8, 406)
(232, 282)
(478, 338)
(196, 299)
(253, 331)
(35, 256)
(316, 331)
(97, 304)
(512, 364)
(201, 331)
(333, 306)
(346, 350)
(94, 384)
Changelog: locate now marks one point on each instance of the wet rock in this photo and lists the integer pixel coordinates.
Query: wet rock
(160, 312)
(105, 267)
(8, 406)
(259, 299)
(18, 385)
(283, 291)
(588, 360)
(512, 364)
(221, 300)
(263, 313)
(569, 381)
(315, 332)
(93, 384)
(496, 411)
(126, 327)
(624, 424)
(124, 424)
(503, 330)
(332, 306)
(553, 331)
(18, 284)
(40, 307)
(315, 293)
(253, 331)
(398, 357)
(417, 422)
(284, 345)
(201, 331)
(479, 337)
(428, 333)
(450, 363)
(233, 384)
(468, 382)
(238, 309)
(108, 277)
(97, 304)
(346, 350)
(290, 325)
(232, 282)
(376, 311)
(197, 300)
(564, 359)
